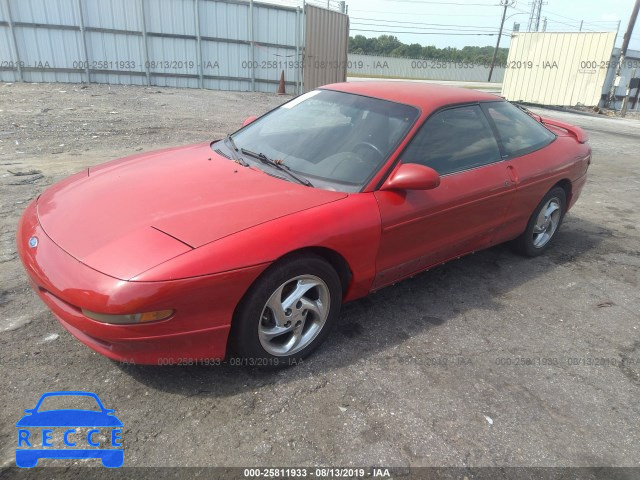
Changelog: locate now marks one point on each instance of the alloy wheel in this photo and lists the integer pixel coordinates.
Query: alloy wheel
(294, 315)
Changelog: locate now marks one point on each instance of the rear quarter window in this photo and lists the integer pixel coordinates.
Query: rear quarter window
(518, 132)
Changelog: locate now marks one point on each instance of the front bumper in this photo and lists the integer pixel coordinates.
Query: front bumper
(203, 305)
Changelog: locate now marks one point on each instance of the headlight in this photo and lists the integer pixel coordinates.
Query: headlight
(131, 318)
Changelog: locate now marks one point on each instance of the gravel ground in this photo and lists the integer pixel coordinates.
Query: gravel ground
(491, 360)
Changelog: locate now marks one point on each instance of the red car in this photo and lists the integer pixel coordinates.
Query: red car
(251, 244)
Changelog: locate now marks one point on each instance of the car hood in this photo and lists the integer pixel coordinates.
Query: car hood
(127, 216)
(69, 418)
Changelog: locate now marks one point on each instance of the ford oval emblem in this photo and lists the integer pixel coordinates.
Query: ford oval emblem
(33, 242)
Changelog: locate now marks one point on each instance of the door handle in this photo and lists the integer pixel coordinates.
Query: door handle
(513, 174)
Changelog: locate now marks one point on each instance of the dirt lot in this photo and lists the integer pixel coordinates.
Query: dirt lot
(491, 360)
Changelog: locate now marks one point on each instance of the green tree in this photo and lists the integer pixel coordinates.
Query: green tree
(389, 45)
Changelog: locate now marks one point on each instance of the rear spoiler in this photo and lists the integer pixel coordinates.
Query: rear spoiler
(577, 132)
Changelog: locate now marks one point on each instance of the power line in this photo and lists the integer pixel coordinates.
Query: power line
(600, 21)
(433, 30)
(421, 14)
(561, 16)
(575, 20)
(569, 25)
(445, 3)
(559, 22)
(421, 23)
(426, 33)
(588, 22)
(418, 29)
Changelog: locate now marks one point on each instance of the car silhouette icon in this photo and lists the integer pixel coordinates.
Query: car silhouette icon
(31, 449)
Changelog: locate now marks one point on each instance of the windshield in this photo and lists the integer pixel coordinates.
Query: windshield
(336, 140)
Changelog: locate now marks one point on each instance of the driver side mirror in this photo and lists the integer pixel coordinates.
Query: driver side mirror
(249, 120)
(412, 176)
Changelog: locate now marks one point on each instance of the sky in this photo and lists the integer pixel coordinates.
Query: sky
(456, 23)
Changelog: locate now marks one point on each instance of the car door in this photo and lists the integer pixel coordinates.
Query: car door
(522, 139)
(425, 227)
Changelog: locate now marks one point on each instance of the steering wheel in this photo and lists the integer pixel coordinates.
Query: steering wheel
(370, 146)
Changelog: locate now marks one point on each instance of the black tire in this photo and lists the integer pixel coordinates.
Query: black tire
(525, 243)
(252, 312)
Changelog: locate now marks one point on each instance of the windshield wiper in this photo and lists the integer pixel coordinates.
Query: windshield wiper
(228, 141)
(277, 164)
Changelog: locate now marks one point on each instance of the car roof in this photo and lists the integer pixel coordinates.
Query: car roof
(426, 96)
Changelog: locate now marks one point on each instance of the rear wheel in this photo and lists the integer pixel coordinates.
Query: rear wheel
(543, 224)
(288, 312)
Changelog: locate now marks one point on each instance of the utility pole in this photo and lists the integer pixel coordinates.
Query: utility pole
(623, 52)
(544, 24)
(506, 4)
(534, 6)
(538, 15)
(534, 17)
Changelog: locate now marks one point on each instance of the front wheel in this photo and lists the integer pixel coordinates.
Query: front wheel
(543, 224)
(288, 312)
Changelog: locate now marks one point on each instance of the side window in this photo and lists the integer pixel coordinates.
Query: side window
(453, 140)
(519, 133)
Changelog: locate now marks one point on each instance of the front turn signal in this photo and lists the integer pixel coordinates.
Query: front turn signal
(131, 318)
